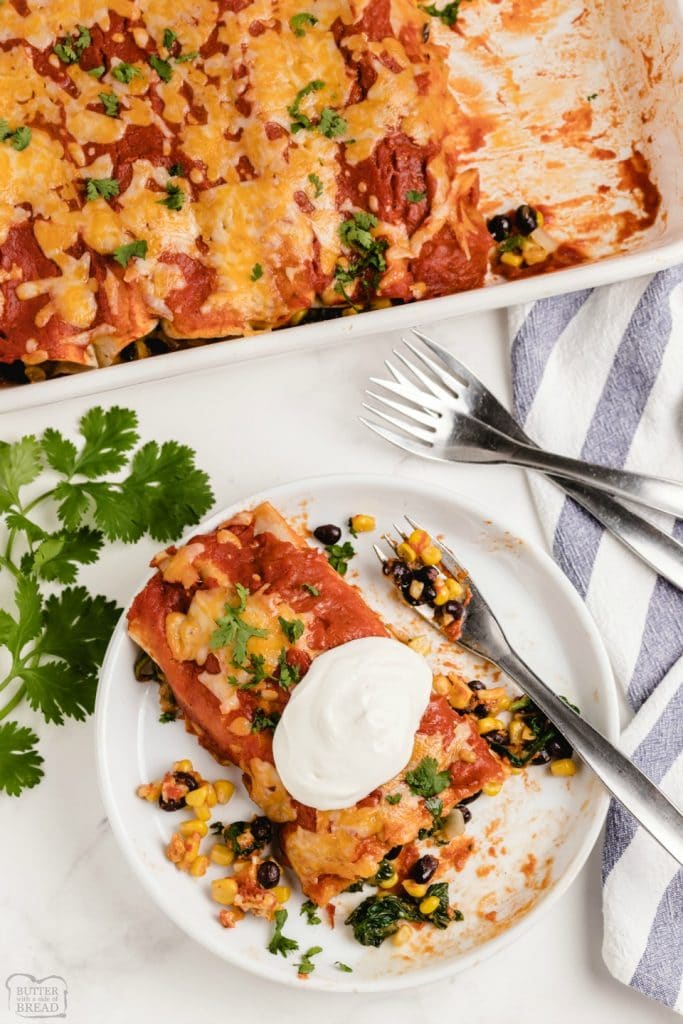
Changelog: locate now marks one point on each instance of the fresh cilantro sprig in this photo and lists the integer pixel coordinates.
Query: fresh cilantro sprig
(279, 942)
(339, 556)
(367, 262)
(233, 631)
(330, 123)
(101, 489)
(69, 50)
(18, 138)
(306, 966)
(447, 14)
(309, 909)
(426, 780)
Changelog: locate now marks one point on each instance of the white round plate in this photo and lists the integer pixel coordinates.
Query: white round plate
(531, 839)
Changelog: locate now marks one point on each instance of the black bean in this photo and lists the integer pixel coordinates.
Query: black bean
(401, 573)
(268, 874)
(476, 685)
(481, 711)
(500, 227)
(542, 757)
(559, 748)
(393, 853)
(465, 811)
(262, 830)
(328, 534)
(423, 869)
(470, 799)
(497, 737)
(182, 779)
(454, 608)
(427, 574)
(526, 219)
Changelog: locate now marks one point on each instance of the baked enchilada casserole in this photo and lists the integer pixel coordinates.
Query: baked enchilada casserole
(219, 168)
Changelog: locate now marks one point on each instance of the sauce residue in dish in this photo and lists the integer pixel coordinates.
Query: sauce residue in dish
(350, 724)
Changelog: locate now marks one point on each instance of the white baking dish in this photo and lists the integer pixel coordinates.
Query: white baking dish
(556, 97)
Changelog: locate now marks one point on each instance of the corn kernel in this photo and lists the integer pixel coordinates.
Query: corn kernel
(503, 703)
(182, 766)
(442, 685)
(149, 792)
(515, 730)
(240, 726)
(282, 893)
(492, 788)
(406, 553)
(564, 767)
(513, 259)
(400, 937)
(419, 539)
(203, 813)
(429, 905)
(221, 854)
(456, 591)
(431, 555)
(467, 755)
(514, 770)
(485, 725)
(211, 798)
(363, 524)
(194, 825)
(224, 890)
(390, 882)
(196, 797)
(533, 252)
(540, 219)
(381, 303)
(199, 866)
(441, 596)
(460, 695)
(414, 888)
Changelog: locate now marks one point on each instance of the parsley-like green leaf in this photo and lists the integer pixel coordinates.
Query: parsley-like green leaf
(510, 244)
(233, 631)
(331, 124)
(72, 46)
(300, 120)
(292, 629)
(58, 554)
(313, 591)
(426, 780)
(109, 435)
(176, 171)
(413, 196)
(170, 38)
(298, 21)
(338, 555)
(368, 260)
(317, 185)
(309, 909)
(29, 607)
(19, 760)
(448, 14)
(110, 102)
(175, 197)
(21, 138)
(101, 188)
(98, 71)
(77, 628)
(185, 57)
(262, 721)
(306, 965)
(256, 272)
(134, 250)
(393, 798)
(168, 716)
(162, 67)
(126, 73)
(343, 967)
(20, 464)
(55, 690)
(288, 675)
(279, 942)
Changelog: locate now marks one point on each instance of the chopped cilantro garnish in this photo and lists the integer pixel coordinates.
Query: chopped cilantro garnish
(176, 171)
(233, 630)
(310, 909)
(317, 185)
(126, 73)
(125, 253)
(97, 72)
(101, 188)
(256, 272)
(338, 555)
(415, 197)
(511, 243)
(593, 96)
(426, 780)
(292, 628)
(168, 716)
(279, 942)
(110, 102)
(21, 137)
(289, 674)
(185, 57)
(175, 197)
(435, 807)
(343, 967)
(71, 48)
(329, 124)
(162, 67)
(262, 721)
(393, 798)
(306, 966)
(313, 591)
(369, 251)
(169, 38)
(298, 21)
(448, 14)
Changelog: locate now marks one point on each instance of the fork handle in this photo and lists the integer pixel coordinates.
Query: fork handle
(645, 801)
(653, 492)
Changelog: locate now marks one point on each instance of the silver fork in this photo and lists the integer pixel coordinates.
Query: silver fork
(435, 427)
(655, 547)
(483, 635)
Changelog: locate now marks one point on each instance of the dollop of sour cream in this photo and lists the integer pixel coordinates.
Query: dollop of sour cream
(350, 723)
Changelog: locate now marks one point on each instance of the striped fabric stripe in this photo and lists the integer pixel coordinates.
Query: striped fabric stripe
(588, 380)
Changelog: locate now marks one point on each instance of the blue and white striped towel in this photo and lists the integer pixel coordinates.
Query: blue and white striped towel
(599, 374)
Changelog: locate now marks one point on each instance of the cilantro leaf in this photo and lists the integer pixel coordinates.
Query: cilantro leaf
(310, 910)
(313, 591)
(54, 689)
(77, 628)
(169, 39)
(292, 629)
(338, 555)
(109, 435)
(60, 453)
(19, 760)
(426, 780)
(448, 14)
(393, 798)
(331, 124)
(166, 490)
(317, 185)
(175, 197)
(71, 48)
(134, 250)
(162, 67)
(306, 966)
(413, 196)
(256, 272)
(297, 22)
(233, 631)
(98, 71)
(58, 554)
(279, 942)
(21, 138)
(29, 608)
(17, 521)
(288, 675)
(262, 720)
(126, 73)
(101, 188)
(20, 464)
(110, 102)
(343, 967)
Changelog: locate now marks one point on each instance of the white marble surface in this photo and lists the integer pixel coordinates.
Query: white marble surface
(71, 907)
